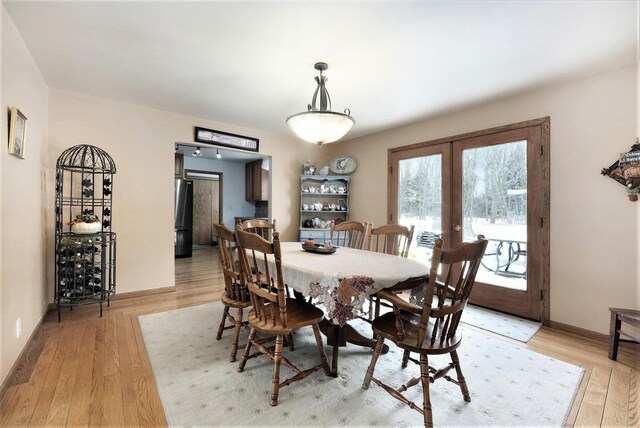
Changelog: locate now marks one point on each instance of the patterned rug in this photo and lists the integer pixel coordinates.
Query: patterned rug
(510, 385)
(506, 325)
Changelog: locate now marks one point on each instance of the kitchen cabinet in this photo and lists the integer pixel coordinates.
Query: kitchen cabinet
(256, 181)
(324, 200)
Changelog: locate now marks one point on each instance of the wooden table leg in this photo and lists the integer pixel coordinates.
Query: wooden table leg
(334, 361)
(338, 337)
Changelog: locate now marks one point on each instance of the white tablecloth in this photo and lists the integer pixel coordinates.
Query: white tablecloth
(344, 279)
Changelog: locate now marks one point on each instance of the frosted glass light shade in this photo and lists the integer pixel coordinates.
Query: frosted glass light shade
(320, 127)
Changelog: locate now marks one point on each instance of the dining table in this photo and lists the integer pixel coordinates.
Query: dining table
(343, 281)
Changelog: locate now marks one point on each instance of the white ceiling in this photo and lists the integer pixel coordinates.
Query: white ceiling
(390, 63)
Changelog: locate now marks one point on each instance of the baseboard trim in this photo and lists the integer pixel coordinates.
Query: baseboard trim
(578, 330)
(142, 293)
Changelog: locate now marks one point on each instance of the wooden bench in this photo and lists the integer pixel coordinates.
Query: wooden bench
(618, 316)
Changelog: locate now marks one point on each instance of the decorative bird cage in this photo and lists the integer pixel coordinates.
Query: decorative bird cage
(85, 245)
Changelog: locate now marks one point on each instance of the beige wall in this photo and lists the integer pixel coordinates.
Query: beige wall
(594, 228)
(23, 291)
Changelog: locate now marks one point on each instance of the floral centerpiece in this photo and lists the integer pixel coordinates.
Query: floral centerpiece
(85, 223)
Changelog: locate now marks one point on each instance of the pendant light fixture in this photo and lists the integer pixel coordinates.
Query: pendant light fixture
(319, 124)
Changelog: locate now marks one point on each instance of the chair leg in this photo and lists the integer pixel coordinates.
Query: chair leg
(275, 383)
(290, 342)
(424, 378)
(323, 355)
(247, 349)
(405, 358)
(461, 381)
(372, 364)
(225, 313)
(236, 336)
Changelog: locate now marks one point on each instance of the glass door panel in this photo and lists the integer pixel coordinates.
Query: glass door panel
(421, 177)
(494, 204)
(420, 202)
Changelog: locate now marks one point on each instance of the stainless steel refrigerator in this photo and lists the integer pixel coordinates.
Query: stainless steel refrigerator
(183, 237)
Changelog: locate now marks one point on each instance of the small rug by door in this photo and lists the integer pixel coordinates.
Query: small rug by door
(510, 385)
(506, 325)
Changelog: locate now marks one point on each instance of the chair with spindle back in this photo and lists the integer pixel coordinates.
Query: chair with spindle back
(351, 234)
(272, 312)
(235, 293)
(261, 227)
(393, 239)
(265, 230)
(433, 328)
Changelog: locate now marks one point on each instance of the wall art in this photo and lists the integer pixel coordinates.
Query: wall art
(626, 171)
(17, 132)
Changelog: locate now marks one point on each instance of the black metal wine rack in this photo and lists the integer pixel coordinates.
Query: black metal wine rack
(85, 263)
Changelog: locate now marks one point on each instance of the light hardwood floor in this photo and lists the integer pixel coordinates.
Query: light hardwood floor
(88, 370)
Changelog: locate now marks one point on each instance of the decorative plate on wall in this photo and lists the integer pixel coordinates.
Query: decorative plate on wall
(343, 165)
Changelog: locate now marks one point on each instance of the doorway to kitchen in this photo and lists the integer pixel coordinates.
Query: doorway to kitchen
(222, 175)
(495, 183)
(207, 205)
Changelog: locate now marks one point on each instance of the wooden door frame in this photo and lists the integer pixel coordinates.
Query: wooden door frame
(542, 126)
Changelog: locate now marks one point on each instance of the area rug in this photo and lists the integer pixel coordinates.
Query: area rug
(510, 385)
(506, 325)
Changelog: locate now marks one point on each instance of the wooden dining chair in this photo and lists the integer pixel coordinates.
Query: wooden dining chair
(351, 234)
(261, 227)
(393, 239)
(433, 328)
(272, 312)
(266, 230)
(235, 294)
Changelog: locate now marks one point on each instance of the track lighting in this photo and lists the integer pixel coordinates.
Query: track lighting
(197, 153)
(218, 155)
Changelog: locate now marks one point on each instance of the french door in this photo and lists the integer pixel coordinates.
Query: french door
(493, 183)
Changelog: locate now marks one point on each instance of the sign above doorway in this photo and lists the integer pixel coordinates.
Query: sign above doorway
(225, 139)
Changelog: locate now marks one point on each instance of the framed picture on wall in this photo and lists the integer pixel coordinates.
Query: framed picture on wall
(225, 139)
(17, 132)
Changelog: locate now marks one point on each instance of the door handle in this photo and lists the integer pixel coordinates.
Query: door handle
(457, 228)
